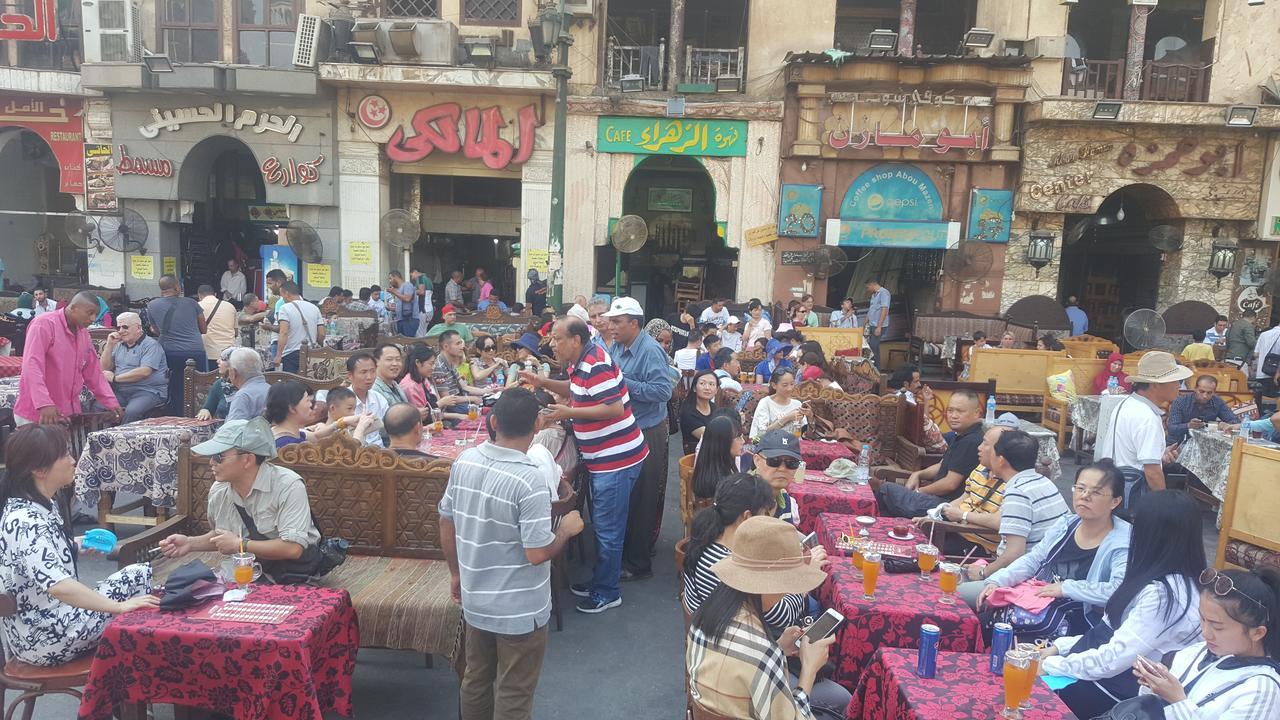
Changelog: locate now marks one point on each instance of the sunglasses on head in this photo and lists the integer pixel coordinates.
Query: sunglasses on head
(1223, 586)
(790, 462)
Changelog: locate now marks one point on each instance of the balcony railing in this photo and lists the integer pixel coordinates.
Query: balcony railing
(707, 66)
(646, 61)
(1164, 82)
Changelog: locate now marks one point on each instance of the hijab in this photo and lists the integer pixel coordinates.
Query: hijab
(1101, 379)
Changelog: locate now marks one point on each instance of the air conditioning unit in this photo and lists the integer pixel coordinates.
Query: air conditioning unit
(1049, 46)
(110, 31)
(1149, 3)
(580, 8)
(320, 40)
(417, 42)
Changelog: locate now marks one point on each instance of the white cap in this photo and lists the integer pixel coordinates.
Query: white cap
(625, 306)
(733, 320)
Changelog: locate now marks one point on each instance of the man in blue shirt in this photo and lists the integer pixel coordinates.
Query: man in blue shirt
(649, 380)
(135, 366)
(877, 316)
(1077, 317)
(1198, 409)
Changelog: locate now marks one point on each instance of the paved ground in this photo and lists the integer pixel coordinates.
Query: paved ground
(626, 661)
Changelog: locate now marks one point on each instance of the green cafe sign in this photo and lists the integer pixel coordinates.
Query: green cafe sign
(672, 136)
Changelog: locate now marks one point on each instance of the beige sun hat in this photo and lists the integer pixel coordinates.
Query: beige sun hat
(768, 559)
(1159, 367)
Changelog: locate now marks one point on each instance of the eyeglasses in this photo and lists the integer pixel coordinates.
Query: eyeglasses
(1223, 586)
(790, 462)
(1087, 493)
(223, 456)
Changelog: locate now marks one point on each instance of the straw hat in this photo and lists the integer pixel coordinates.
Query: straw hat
(767, 559)
(1159, 367)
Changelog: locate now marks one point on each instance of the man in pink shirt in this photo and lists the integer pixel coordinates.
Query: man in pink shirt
(57, 361)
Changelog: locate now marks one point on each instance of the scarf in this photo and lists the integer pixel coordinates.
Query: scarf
(1101, 379)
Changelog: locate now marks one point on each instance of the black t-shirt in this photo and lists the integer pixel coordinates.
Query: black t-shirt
(537, 302)
(1072, 561)
(691, 419)
(961, 456)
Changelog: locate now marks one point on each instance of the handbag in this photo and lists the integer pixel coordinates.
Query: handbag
(316, 561)
(189, 585)
(1271, 361)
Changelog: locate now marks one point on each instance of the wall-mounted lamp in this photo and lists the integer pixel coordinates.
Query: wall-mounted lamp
(978, 38)
(882, 40)
(1040, 249)
(1223, 260)
(1241, 115)
(1107, 110)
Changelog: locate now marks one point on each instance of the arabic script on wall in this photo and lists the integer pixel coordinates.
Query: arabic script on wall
(259, 122)
(40, 25)
(475, 132)
(293, 172)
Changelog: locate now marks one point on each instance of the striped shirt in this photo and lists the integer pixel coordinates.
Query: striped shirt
(1032, 504)
(615, 443)
(983, 493)
(499, 505)
(699, 584)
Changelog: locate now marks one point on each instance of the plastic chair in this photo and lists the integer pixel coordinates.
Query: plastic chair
(34, 681)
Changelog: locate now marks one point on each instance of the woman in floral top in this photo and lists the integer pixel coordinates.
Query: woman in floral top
(58, 618)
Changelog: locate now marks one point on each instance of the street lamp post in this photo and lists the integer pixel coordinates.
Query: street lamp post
(551, 22)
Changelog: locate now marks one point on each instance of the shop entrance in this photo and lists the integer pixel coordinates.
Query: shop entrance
(677, 200)
(28, 190)
(1112, 259)
(230, 218)
(469, 223)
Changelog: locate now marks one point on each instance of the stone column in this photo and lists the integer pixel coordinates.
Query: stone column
(808, 141)
(907, 28)
(535, 211)
(1137, 46)
(365, 182)
(675, 63)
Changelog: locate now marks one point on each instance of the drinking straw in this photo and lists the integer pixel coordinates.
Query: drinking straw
(966, 557)
(241, 541)
(931, 526)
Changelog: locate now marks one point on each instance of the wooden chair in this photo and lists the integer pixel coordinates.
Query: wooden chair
(686, 492)
(567, 501)
(33, 681)
(1249, 537)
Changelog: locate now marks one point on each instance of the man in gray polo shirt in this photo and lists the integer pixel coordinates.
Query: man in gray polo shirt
(134, 364)
(495, 528)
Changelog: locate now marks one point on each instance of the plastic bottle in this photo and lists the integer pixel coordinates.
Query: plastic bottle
(863, 474)
(1113, 385)
(991, 408)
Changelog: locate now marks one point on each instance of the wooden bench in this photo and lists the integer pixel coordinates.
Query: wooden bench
(195, 385)
(871, 419)
(1088, 346)
(910, 452)
(833, 340)
(1250, 536)
(1019, 375)
(385, 505)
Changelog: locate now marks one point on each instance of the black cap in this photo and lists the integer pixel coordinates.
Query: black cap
(780, 443)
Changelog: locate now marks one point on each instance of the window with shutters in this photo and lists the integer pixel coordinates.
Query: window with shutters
(190, 30)
(491, 12)
(265, 31)
(410, 8)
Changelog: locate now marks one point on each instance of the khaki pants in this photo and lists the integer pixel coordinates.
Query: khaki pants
(501, 675)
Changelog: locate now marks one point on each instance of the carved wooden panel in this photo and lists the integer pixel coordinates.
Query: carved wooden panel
(417, 518)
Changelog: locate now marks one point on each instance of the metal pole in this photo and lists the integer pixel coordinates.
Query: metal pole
(556, 240)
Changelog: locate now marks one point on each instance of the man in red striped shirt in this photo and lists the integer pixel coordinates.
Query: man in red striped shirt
(611, 444)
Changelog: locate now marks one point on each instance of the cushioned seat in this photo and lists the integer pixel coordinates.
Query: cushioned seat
(74, 671)
(1247, 555)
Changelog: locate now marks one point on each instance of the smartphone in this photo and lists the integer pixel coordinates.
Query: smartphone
(822, 627)
(810, 540)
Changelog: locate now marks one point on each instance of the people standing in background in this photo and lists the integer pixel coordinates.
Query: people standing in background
(422, 301)
(1241, 337)
(219, 318)
(300, 322)
(1078, 318)
(758, 326)
(406, 320)
(57, 361)
(43, 303)
(1268, 343)
(535, 296)
(1135, 440)
(847, 317)
(474, 285)
(1217, 335)
(179, 324)
(233, 284)
(453, 290)
(877, 316)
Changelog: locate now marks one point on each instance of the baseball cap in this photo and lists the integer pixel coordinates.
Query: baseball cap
(448, 309)
(1008, 420)
(251, 436)
(625, 306)
(733, 320)
(779, 443)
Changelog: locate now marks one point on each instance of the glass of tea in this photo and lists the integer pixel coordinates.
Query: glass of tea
(1017, 682)
(870, 574)
(245, 569)
(926, 559)
(1033, 651)
(948, 581)
(473, 412)
(856, 555)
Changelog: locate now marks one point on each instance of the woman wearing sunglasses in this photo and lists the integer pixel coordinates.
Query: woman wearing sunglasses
(1152, 612)
(1233, 674)
(488, 369)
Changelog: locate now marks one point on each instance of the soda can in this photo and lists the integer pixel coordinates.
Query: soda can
(1001, 642)
(927, 660)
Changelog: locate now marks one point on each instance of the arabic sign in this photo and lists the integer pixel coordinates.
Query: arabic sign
(292, 173)
(476, 133)
(142, 267)
(990, 215)
(761, 235)
(269, 213)
(893, 234)
(223, 113)
(100, 179)
(360, 253)
(916, 119)
(892, 191)
(538, 260)
(798, 210)
(57, 120)
(318, 274)
(672, 136)
(130, 165)
(40, 25)
(799, 257)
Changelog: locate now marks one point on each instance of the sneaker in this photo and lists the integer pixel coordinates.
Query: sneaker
(596, 604)
(628, 575)
(582, 590)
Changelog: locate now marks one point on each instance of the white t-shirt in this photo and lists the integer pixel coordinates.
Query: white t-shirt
(719, 319)
(1134, 436)
(1268, 342)
(547, 467)
(727, 381)
(731, 340)
(303, 318)
(768, 411)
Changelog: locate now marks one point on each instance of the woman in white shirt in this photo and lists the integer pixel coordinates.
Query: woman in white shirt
(1233, 674)
(778, 410)
(1152, 612)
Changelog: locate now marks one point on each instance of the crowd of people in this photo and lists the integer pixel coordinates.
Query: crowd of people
(595, 393)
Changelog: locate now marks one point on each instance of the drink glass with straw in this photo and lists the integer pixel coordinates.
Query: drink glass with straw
(948, 581)
(1017, 682)
(855, 554)
(870, 574)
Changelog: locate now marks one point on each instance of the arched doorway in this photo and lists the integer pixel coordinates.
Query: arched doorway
(32, 212)
(1112, 259)
(221, 176)
(677, 200)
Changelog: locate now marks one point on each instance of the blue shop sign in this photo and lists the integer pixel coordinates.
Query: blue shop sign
(930, 235)
(892, 191)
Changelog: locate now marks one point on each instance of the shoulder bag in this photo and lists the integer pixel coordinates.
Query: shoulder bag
(1271, 361)
(316, 560)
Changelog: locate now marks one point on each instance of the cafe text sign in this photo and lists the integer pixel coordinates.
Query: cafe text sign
(672, 136)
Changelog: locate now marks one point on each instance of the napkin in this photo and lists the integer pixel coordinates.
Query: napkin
(1056, 682)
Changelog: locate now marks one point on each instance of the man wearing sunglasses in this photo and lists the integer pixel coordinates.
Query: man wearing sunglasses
(777, 458)
(135, 366)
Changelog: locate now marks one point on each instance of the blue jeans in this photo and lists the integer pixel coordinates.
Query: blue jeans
(611, 498)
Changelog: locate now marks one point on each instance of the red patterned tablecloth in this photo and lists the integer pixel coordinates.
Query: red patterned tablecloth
(10, 365)
(963, 686)
(903, 602)
(815, 498)
(819, 455)
(445, 444)
(300, 668)
(830, 526)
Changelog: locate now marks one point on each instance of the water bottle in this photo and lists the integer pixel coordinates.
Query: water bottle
(991, 408)
(332, 327)
(1113, 385)
(863, 473)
